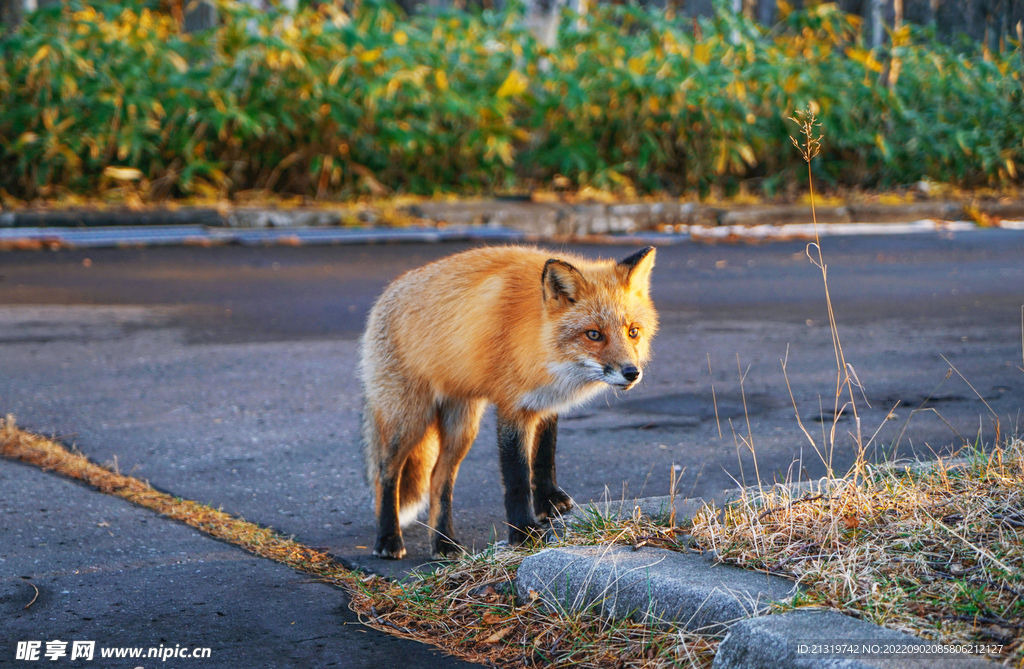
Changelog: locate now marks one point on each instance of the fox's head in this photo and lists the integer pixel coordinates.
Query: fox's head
(602, 317)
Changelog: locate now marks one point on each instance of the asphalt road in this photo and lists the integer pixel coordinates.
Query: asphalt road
(227, 375)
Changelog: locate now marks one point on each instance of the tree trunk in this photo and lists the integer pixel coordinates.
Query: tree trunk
(875, 18)
(202, 17)
(10, 15)
(1004, 23)
(992, 28)
(542, 18)
(766, 12)
(895, 63)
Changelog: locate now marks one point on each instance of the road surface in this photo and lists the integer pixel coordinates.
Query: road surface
(227, 375)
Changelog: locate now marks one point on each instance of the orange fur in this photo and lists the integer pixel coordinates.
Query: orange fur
(481, 326)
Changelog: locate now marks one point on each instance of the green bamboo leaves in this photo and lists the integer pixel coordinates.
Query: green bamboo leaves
(331, 105)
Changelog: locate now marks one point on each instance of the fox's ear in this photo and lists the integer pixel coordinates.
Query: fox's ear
(637, 268)
(560, 279)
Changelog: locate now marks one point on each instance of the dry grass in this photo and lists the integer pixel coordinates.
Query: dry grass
(466, 608)
(469, 605)
(935, 551)
(51, 456)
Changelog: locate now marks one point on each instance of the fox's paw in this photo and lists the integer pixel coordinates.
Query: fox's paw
(390, 547)
(445, 548)
(551, 504)
(526, 533)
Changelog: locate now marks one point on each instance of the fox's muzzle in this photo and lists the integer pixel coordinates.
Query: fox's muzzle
(623, 378)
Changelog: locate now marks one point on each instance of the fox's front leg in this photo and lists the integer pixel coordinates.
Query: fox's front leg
(515, 446)
(548, 498)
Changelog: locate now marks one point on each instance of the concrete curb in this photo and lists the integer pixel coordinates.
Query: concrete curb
(561, 219)
(28, 238)
(649, 584)
(642, 222)
(689, 590)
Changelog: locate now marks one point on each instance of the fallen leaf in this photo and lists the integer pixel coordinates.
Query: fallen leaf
(122, 173)
(499, 635)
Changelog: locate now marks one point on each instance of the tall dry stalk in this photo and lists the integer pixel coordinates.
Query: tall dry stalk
(846, 377)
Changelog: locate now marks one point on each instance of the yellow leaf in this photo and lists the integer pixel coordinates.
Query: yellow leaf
(414, 77)
(370, 56)
(178, 62)
(500, 148)
(44, 50)
(335, 74)
(702, 53)
(400, 38)
(748, 155)
(720, 162)
(70, 156)
(505, 152)
(217, 101)
(515, 84)
(441, 79)
(122, 173)
(901, 37)
(882, 146)
(865, 58)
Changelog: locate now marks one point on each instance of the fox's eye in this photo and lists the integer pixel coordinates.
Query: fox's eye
(593, 335)
(634, 333)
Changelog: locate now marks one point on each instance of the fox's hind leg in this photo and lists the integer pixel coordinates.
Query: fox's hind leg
(548, 498)
(458, 422)
(408, 451)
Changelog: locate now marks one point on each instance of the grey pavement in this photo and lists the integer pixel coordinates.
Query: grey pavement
(226, 375)
(123, 577)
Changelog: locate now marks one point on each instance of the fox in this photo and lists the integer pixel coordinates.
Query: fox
(532, 332)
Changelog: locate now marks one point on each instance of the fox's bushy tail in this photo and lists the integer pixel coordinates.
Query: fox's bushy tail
(414, 484)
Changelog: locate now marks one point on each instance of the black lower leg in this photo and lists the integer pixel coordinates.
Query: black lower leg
(444, 543)
(389, 532)
(548, 498)
(514, 453)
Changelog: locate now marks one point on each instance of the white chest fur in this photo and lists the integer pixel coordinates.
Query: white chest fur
(574, 383)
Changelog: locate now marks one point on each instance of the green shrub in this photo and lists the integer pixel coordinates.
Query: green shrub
(331, 105)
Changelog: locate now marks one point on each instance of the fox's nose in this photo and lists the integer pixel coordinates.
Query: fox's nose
(631, 373)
